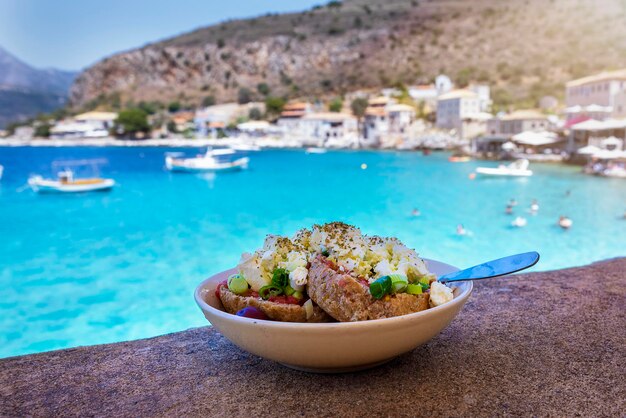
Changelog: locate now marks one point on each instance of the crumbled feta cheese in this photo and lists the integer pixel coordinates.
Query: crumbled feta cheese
(440, 294)
(250, 269)
(298, 278)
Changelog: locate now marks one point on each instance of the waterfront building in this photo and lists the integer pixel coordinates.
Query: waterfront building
(86, 125)
(291, 116)
(606, 134)
(529, 120)
(209, 120)
(326, 125)
(601, 96)
(455, 106)
(104, 119)
(376, 123)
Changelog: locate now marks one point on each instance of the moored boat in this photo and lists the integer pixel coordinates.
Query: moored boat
(314, 150)
(518, 168)
(66, 181)
(459, 158)
(210, 161)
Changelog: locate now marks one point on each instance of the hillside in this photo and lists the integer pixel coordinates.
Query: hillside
(523, 49)
(26, 91)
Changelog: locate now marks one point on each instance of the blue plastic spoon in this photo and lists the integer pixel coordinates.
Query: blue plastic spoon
(494, 268)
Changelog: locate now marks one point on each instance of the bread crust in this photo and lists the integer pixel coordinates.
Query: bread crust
(345, 299)
(233, 303)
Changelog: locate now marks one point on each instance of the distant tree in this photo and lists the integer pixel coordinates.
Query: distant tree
(274, 105)
(130, 122)
(42, 130)
(358, 106)
(244, 96)
(208, 101)
(171, 127)
(465, 76)
(149, 107)
(335, 105)
(263, 88)
(174, 107)
(358, 22)
(327, 84)
(334, 4)
(220, 43)
(255, 114)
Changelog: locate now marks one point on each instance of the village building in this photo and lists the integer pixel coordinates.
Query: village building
(601, 96)
(292, 114)
(211, 120)
(376, 124)
(517, 122)
(86, 125)
(327, 125)
(455, 106)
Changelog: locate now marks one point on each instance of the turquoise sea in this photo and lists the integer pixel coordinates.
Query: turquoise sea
(104, 267)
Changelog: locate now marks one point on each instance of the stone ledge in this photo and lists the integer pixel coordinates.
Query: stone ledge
(549, 343)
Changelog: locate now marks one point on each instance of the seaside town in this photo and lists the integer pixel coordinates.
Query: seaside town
(588, 128)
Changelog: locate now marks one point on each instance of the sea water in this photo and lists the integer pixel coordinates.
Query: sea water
(110, 266)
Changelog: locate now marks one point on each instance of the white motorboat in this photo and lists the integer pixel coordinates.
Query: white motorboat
(245, 147)
(1, 171)
(518, 168)
(206, 162)
(314, 150)
(519, 222)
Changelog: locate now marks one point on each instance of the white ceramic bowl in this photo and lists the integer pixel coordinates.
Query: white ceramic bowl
(332, 347)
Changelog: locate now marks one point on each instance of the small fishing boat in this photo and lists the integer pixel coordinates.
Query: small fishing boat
(314, 150)
(459, 158)
(67, 182)
(518, 168)
(1, 171)
(210, 161)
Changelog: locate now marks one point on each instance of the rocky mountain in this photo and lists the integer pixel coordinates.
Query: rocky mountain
(26, 91)
(524, 49)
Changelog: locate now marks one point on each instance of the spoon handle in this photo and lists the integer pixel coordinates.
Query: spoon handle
(494, 268)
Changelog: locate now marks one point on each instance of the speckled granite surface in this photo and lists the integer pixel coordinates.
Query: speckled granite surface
(542, 344)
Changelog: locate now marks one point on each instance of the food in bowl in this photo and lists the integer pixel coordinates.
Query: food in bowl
(332, 271)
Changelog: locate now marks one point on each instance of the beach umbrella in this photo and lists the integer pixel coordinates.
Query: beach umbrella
(589, 149)
(508, 146)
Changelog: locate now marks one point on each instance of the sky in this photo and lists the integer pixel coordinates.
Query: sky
(73, 34)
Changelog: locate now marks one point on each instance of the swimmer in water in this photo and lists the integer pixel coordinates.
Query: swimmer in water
(509, 210)
(565, 222)
(460, 230)
(513, 202)
(534, 207)
(415, 212)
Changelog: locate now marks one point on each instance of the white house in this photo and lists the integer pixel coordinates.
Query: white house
(327, 125)
(208, 119)
(376, 123)
(291, 116)
(600, 96)
(86, 125)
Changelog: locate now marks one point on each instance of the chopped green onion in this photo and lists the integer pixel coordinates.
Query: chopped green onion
(414, 289)
(398, 283)
(380, 287)
(237, 284)
(280, 278)
(425, 281)
(270, 290)
(298, 294)
(289, 290)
